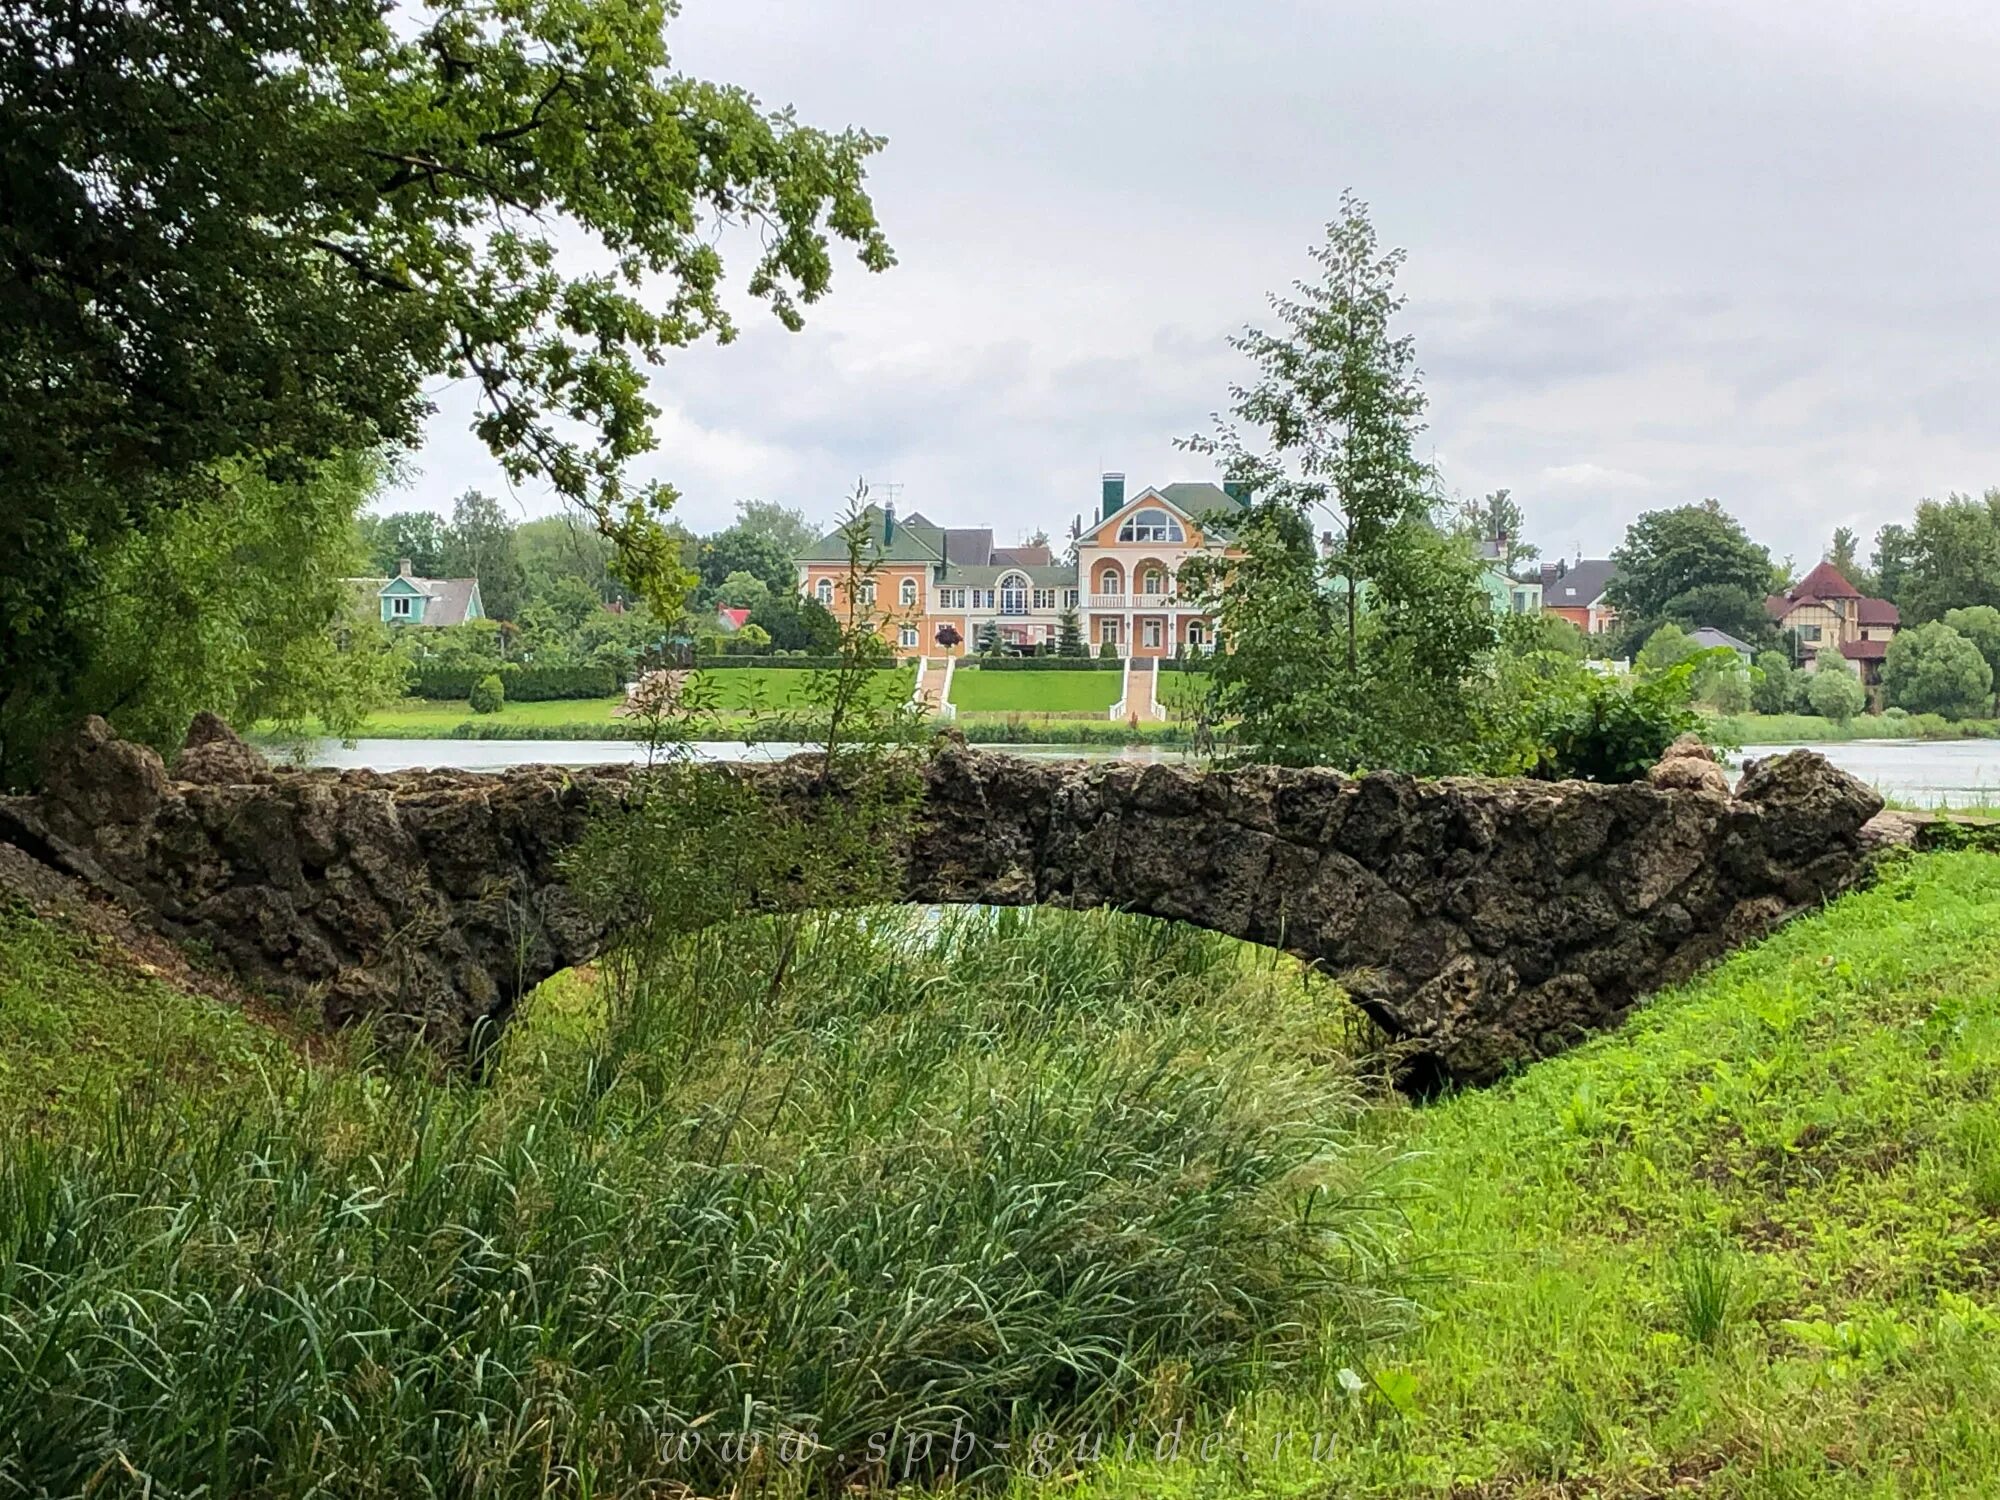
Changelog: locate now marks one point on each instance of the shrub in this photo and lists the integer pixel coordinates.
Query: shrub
(549, 684)
(1107, 652)
(487, 694)
(1835, 693)
(1772, 686)
(1044, 664)
(1555, 719)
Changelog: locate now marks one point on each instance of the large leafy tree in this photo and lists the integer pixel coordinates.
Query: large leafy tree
(418, 535)
(264, 230)
(783, 524)
(741, 550)
(1358, 650)
(1691, 566)
(1950, 558)
(479, 543)
(1979, 624)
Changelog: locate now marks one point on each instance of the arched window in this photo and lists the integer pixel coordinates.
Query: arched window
(1110, 579)
(909, 592)
(826, 592)
(1153, 580)
(1014, 594)
(868, 593)
(1194, 632)
(1151, 526)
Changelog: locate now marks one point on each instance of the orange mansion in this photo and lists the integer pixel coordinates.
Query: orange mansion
(1122, 584)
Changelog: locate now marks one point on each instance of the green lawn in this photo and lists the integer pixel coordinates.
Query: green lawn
(974, 691)
(736, 690)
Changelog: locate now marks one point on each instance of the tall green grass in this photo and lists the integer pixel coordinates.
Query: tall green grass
(872, 1174)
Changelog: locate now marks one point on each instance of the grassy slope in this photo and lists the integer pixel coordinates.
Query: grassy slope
(1812, 1128)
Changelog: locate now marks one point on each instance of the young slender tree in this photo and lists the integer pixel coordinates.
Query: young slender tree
(1325, 436)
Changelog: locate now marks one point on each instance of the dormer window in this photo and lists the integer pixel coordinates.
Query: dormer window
(400, 605)
(1151, 526)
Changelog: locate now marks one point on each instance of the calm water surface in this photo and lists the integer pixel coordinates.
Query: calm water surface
(1928, 773)
(498, 755)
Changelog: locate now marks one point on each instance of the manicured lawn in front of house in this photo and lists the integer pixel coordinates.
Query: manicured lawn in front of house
(974, 691)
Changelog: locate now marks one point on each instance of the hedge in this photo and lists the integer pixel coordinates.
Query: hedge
(1043, 664)
(521, 684)
(1187, 663)
(795, 663)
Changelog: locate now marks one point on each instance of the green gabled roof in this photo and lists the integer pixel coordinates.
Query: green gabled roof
(1210, 504)
(915, 541)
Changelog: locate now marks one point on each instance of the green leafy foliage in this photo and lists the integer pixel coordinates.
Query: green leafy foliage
(1555, 719)
(236, 604)
(1947, 558)
(1364, 651)
(1691, 566)
(1774, 684)
(488, 696)
(1833, 692)
(268, 231)
(1933, 669)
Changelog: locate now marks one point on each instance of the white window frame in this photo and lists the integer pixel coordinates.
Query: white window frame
(1045, 599)
(825, 592)
(399, 604)
(906, 638)
(868, 592)
(909, 593)
(1070, 599)
(1139, 527)
(1107, 631)
(1150, 633)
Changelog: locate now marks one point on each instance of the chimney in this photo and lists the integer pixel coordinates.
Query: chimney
(1237, 490)
(402, 567)
(1114, 495)
(888, 524)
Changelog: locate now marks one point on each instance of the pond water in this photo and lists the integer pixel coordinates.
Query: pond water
(1928, 773)
(499, 755)
(1924, 773)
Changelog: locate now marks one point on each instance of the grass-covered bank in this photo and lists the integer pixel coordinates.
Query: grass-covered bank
(1790, 729)
(1747, 1246)
(1069, 1174)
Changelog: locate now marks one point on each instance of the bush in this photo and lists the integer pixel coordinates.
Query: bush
(1773, 689)
(521, 684)
(1933, 669)
(550, 684)
(1835, 693)
(799, 662)
(1107, 652)
(1557, 720)
(487, 694)
(1043, 664)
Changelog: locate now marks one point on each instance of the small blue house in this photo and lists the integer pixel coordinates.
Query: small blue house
(409, 600)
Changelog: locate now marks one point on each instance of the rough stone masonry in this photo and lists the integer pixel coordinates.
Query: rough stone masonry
(1481, 923)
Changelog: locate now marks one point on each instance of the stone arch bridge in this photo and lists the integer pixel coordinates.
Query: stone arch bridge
(1481, 923)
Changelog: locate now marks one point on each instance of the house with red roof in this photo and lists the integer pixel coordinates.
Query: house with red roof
(1823, 611)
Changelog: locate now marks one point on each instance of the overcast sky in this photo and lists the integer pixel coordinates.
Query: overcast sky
(1658, 249)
